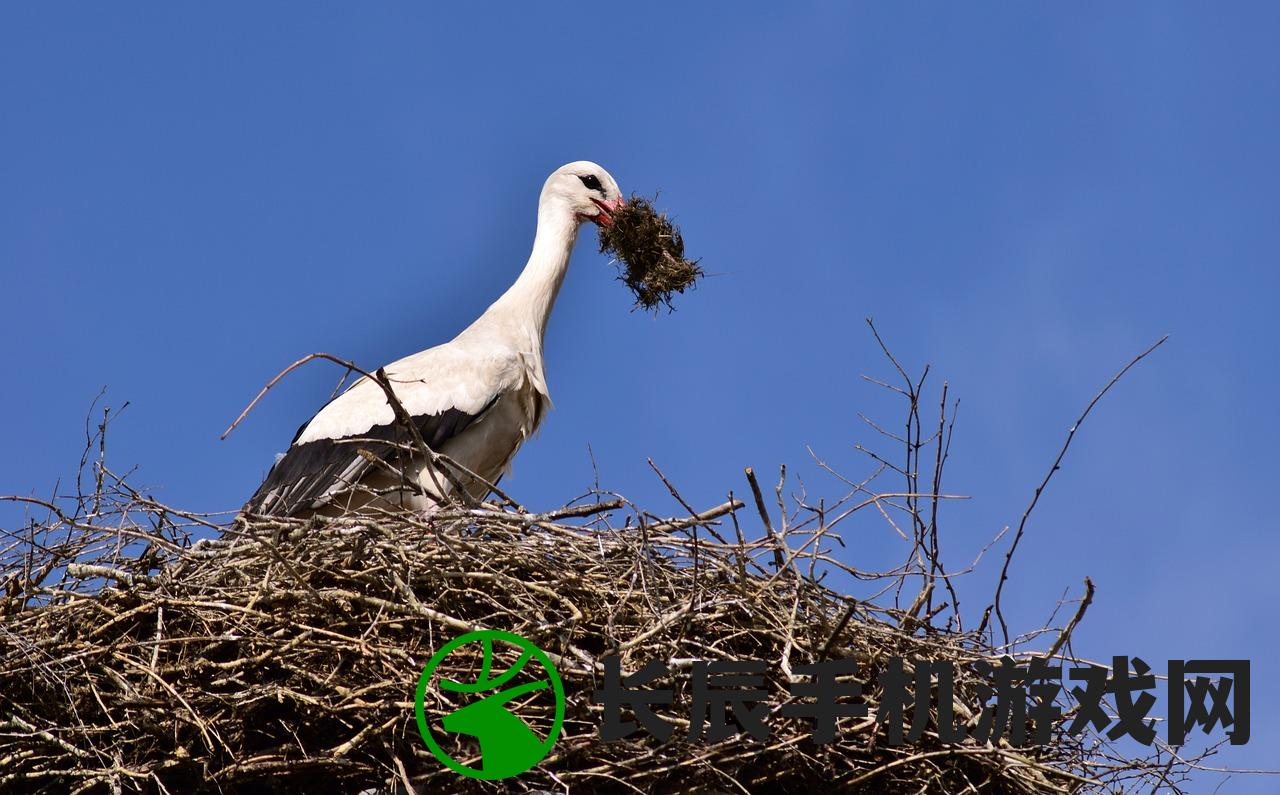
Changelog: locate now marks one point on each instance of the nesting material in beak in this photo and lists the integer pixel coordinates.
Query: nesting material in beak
(651, 250)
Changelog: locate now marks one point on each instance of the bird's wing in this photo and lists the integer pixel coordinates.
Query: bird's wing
(444, 390)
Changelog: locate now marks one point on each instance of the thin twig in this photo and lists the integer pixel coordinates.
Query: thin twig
(1057, 463)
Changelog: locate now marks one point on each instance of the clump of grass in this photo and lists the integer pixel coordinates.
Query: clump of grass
(651, 251)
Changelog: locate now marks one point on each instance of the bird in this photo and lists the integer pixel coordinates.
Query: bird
(473, 400)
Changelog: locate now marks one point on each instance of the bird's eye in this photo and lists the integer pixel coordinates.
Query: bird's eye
(591, 181)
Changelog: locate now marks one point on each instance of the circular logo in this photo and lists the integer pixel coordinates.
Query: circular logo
(493, 699)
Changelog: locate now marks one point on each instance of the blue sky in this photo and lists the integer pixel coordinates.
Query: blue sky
(1022, 196)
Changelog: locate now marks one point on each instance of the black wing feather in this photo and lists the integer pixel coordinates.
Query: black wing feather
(309, 470)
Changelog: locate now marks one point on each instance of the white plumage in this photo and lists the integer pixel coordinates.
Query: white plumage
(474, 399)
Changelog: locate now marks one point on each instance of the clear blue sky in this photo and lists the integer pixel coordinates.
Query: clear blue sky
(192, 197)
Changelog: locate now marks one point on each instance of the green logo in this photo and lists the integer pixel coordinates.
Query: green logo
(508, 746)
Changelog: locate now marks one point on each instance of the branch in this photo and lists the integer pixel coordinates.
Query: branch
(1057, 462)
(351, 368)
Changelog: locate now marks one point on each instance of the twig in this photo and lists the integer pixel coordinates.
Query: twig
(310, 357)
(1057, 462)
(764, 517)
(1065, 634)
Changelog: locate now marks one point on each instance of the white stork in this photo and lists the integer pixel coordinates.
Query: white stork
(474, 399)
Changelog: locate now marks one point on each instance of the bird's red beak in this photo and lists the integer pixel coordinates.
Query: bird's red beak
(607, 209)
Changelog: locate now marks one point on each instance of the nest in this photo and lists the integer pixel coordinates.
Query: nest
(651, 250)
(289, 654)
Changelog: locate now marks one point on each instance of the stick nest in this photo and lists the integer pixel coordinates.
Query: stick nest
(288, 653)
(651, 251)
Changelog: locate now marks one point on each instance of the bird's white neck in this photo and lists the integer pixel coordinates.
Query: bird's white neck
(529, 301)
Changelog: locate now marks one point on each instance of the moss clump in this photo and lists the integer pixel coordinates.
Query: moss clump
(651, 250)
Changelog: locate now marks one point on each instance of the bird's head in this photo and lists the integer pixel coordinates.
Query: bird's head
(586, 190)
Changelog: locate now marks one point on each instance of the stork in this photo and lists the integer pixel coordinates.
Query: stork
(474, 399)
